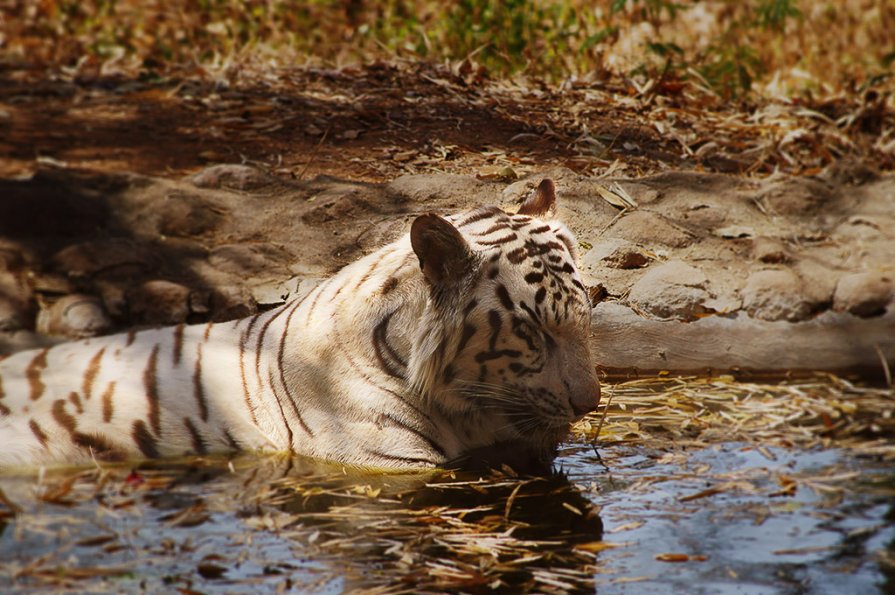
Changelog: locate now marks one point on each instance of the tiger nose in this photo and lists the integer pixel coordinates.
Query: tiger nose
(585, 399)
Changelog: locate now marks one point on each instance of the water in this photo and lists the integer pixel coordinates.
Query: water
(727, 518)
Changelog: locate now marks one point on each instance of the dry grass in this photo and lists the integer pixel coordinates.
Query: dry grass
(819, 47)
(696, 412)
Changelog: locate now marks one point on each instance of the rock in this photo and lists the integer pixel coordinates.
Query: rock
(12, 256)
(108, 258)
(52, 284)
(776, 294)
(735, 232)
(796, 196)
(247, 260)
(617, 254)
(75, 316)
(276, 291)
(182, 214)
(339, 204)
(231, 302)
(200, 300)
(671, 290)
(159, 303)
(15, 302)
(643, 227)
(769, 250)
(114, 298)
(818, 283)
(232, 177)
(863, 294)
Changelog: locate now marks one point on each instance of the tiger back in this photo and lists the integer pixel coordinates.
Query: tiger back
(468, 332)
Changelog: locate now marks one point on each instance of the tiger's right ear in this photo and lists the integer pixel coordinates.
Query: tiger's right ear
(443, 253)
(540, 202)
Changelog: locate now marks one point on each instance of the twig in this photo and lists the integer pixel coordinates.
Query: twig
(882, 360)
(304, 170)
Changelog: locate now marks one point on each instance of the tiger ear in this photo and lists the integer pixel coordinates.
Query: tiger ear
(540, 202)
(443, 253)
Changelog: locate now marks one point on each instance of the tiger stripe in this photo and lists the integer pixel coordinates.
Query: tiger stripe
(199, 446)
(177, 351)
(76, 401)
(504, 296)
(91, 373)
(290, 439)
(4, 410)
(280, 355)
(107, 402)
(242, 371)
(38, 432)
(33, 373)
(63, 418)
(230, 440)
(389, 360)
(198, 386)
(98, 446)
(479, 215)
(499, 241)
(144, 439)
(150, 383)
(407, 428)
(390, 284)
(355, 367)
(259, 347)
(318, 291)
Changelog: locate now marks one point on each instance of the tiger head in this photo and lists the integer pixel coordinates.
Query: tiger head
(505, 342)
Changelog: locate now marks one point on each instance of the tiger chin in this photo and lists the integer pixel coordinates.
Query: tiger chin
(465, 339)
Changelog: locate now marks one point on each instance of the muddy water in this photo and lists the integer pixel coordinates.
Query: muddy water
(730, 518)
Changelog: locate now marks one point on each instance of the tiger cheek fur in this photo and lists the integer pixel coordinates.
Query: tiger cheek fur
(470, 331)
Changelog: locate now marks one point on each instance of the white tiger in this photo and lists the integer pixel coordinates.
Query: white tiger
(468, 332)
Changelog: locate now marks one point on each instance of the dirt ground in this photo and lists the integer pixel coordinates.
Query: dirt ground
(714, 237)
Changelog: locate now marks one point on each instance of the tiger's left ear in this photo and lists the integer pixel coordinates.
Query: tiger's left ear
(443, 253)
(540, 202)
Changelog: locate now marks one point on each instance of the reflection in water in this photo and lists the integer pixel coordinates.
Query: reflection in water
(445, 530)
(750, 520)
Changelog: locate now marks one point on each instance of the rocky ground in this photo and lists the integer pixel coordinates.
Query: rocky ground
(723, 252)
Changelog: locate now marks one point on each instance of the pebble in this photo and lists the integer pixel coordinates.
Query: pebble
(796, 196)
(159, 302)
(769, 250)
(232, 177)
(617, 254)
(776, 294)
(74, 316)
(112, 257)
(671, 290)
(863, 294)
(15, 302)
(185, 215)
(232, 302)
